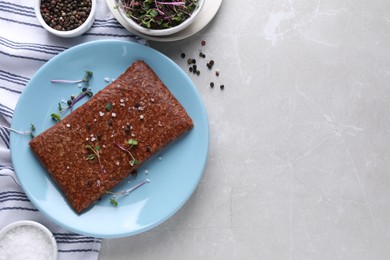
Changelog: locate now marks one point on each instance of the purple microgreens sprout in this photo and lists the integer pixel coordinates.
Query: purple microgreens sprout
(94, 155)
(131, 143)
(88, 76)
(85, 92)
(117, 195)
(30, 132)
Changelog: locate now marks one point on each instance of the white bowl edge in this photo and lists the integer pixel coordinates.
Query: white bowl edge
(34, 224)
(67, 34)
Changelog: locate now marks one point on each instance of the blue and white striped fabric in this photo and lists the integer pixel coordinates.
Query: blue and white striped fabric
(24, 47)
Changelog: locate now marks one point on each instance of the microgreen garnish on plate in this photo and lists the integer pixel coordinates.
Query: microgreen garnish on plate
(155, 14)
(88, 76)
(86, 91)
(56, 117)
(30, 132)
(74, 99)
(70, 103)
(131, 143)
(94, 155)
(117, 195)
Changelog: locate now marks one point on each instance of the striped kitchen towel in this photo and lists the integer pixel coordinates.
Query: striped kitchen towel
(24, 47)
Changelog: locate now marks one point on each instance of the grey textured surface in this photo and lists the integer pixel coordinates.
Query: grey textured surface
(299, 156)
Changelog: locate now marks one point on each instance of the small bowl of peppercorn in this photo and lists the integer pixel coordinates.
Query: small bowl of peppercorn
(66, 18)
(159, 18)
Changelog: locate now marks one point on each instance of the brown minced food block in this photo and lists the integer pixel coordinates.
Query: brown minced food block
(135, 106)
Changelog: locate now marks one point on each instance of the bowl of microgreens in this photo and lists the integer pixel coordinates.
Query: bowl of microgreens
(159, 18)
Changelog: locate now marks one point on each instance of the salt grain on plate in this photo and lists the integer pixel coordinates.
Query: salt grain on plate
(25, 242)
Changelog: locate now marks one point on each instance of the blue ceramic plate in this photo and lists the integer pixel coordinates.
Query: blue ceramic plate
(174, 173)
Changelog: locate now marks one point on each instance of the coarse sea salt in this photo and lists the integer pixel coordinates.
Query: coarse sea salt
(25, 242)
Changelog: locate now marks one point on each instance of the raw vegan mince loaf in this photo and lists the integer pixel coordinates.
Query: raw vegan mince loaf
(88, 152)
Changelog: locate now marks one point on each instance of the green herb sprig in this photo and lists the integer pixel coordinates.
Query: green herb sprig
(86, 92)
(55, 117)
(131, 143)
(88, 76)
(94, 155)
(153, 14)
(30, 132)
(117, 195)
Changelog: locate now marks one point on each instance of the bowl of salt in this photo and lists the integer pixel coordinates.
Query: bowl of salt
(27, 240)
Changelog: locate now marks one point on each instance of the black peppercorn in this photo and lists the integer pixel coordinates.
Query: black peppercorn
(65, 15)
(210, 64)
(128, 129)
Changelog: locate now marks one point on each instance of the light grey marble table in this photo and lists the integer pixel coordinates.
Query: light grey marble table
(299, 155)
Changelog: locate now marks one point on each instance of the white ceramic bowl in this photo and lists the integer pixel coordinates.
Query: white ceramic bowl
(31, 238)
(160, 32)
(67, 34)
